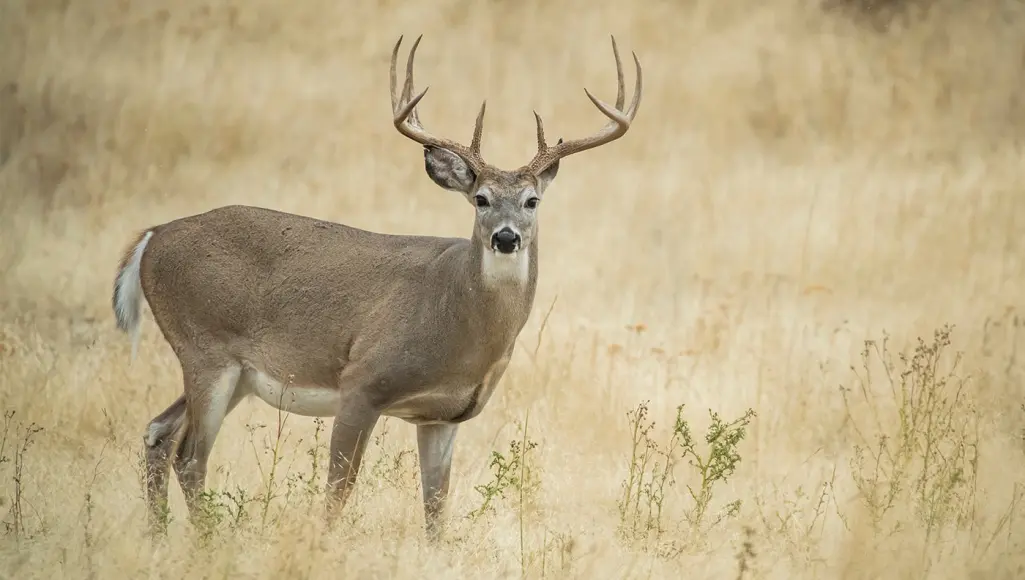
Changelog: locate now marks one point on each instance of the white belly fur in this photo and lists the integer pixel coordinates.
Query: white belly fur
(308, 401)
(316, 401)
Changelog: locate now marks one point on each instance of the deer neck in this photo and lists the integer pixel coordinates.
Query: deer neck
(503, 284)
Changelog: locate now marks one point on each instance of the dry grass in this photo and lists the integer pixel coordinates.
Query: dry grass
(797, 183)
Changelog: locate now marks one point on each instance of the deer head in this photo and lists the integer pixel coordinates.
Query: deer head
(506, 202)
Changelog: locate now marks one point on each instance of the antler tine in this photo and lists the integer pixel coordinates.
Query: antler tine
(619, 121)
(394, 77)
(621, 91)
(478, 129)
(636, 101)
(542, 145)
(407, 87)
(407, 121)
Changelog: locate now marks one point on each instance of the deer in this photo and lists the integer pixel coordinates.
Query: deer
(320, 319)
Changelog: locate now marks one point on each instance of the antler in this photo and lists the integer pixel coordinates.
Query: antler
(408, 122)
(616, 128)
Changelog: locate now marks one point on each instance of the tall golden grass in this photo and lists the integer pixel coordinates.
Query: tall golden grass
(799, 180)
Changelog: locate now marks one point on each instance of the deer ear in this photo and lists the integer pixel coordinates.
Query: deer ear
(546, 177)
(448, 170)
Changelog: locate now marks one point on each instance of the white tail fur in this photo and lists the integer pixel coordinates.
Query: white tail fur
(128, 292)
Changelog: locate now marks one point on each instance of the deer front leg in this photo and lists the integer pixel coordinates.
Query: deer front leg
(435, 444)
(353, 425)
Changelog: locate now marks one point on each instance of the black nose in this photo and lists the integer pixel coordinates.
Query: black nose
(505, 240)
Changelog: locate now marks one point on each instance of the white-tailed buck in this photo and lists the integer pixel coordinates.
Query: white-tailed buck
(321, 319)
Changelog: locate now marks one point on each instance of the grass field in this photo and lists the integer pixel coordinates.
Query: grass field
(811, 239)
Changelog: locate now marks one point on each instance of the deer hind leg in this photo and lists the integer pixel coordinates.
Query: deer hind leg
(161, 440)
(211, 392)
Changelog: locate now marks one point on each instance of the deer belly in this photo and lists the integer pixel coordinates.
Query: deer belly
(308, 401)
(438, 406)
(450, 403)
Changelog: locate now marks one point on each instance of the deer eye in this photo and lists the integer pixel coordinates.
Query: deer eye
(480, 201)
(532, 203)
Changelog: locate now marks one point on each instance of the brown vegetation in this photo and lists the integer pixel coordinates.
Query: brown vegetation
(800, 180)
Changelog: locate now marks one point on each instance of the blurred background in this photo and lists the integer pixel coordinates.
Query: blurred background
(801, 177)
